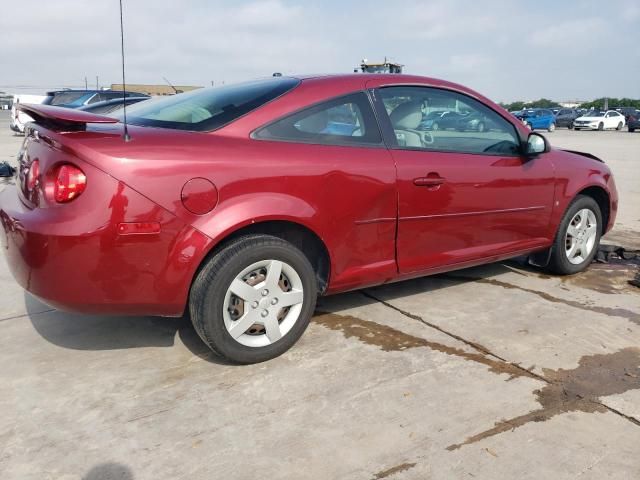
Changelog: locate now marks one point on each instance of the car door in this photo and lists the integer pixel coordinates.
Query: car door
(462, 195)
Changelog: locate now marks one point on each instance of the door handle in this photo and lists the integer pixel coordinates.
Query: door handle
(428, 181)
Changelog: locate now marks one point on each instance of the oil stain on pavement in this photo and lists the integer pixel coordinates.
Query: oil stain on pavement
(389, 339)
(575, 390)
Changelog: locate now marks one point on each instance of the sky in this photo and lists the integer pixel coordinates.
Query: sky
(508, 50)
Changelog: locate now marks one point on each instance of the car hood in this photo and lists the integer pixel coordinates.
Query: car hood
(584, 154)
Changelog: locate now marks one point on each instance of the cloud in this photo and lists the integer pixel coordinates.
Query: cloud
(490, 45)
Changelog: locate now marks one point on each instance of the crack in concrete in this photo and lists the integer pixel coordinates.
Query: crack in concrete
(393, 470)
(476, 346)
(389, 339)
(576, 390)
(614, 312)
(15, 317)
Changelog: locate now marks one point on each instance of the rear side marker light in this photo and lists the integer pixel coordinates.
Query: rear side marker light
(69, 183)
(138, 228)
(33, 175)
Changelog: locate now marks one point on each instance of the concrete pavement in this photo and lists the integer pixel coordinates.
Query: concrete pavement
(495, 372)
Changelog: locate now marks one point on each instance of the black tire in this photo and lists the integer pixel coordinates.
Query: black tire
(435, 126)
(552, 127)
(632, 129)
(619, 127)
(601, 126)
(570, 126)
(206, 299)
(559, 263)
(576, 128)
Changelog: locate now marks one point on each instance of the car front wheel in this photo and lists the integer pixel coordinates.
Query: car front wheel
(552, 127)
(619, 127)
(577, 238)
(253, 300)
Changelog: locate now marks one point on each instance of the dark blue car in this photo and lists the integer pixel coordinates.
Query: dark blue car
(538, 119)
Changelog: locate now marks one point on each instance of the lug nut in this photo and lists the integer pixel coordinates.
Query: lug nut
(265, 292)
(264, 313)
(274, 301)
(255, 304)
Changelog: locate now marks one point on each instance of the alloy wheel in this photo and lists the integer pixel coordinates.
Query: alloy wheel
(581, 236)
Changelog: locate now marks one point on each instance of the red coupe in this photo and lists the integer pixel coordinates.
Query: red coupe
(240, 204)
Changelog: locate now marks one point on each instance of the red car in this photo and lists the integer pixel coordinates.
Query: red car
(241, 204)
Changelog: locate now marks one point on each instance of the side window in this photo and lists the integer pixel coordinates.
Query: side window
(344, 120)
(96, 98)
(472, 127)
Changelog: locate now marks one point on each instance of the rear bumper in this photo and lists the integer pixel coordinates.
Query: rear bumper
(77, 261)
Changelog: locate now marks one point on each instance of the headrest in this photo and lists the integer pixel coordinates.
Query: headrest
(407, 115)
(315, 123)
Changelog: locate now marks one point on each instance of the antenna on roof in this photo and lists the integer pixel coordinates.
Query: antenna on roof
(125, 135)
(170, 84)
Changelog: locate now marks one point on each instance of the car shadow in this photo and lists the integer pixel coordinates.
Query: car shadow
(99, 332)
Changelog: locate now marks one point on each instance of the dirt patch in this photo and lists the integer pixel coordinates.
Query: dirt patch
(611, 278)
(577, 390)
(393, 470)
(389, 340)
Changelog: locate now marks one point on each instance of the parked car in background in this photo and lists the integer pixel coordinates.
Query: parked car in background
(476, 122)
(440, 121)
(79, 98)
(18, 118)
(538, 118)
(625, 111)
(239, 205)
(634, 121)
(110, 106)
(594, 120)
(565, 117)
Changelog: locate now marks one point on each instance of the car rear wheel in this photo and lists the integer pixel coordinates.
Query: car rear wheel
(570, 126)
(619, 127)
(253, 300)
(577, 238)
(601, 126)
(435, 126)
(552, 127)
(632, 129)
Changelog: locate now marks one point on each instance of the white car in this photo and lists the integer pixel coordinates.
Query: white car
(595, 120)
(18, 118)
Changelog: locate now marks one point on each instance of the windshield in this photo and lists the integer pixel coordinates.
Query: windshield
(594, 114)
(207, 109)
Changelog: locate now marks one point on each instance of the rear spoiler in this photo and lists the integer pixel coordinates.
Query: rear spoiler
(66, 118)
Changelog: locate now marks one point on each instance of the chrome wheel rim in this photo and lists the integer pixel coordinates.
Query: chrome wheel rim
(581, 235)
(263, 303)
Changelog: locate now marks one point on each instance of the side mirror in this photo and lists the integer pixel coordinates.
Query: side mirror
(536, 144)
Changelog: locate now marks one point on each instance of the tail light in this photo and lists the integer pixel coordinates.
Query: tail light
(69, 182)
(33, 175)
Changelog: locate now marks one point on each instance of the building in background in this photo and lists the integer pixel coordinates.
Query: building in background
(379, 67)
(154, 89)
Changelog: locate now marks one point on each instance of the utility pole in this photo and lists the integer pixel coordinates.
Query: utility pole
(97, 84)
(86, 86)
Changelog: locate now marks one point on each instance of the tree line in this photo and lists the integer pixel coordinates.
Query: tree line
(598, 103)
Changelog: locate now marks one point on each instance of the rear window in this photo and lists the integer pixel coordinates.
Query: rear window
(208, 109)
(65, 98)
